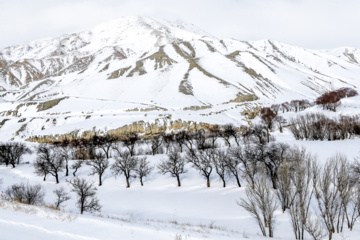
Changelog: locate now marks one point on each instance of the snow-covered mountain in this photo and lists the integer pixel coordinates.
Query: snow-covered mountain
(139, 69)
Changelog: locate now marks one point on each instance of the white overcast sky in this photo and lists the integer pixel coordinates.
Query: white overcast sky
(316, 24)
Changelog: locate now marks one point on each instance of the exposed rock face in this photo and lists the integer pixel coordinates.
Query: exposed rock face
(49, 104)
(141, 127)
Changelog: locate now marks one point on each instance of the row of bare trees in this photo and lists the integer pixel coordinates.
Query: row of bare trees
(52, 160)
(317, 126)
(292, 106)
(157, 143)
(237, 161)
(328, 100)
(320, 199)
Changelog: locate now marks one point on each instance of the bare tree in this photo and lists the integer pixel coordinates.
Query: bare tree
(124, 164)
(280, 121)
(130, 140)
(202, 161)
(345, 184)
(285, 191)
(261, 133)
(173, 165)
(275, 153)
(200, 140)
(261, 204)
(105, 143)
(275, 108)
(248, 158)
(227, 132)
(85, 191)
(143, 169)
(155, 144)
(214, 134)
(98, 165)
(77, 164)
(61, 197)
(233, 163)
(267, 116)
(302, 164)
(12, 152)
(51, 158)
(41, 168)
(168, 139)
(191, 139)
(220, 162)
(327, 195)
(66, 152)
(354, 207)
(180, 139)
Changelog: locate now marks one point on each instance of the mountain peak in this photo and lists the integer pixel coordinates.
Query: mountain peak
(135, 33)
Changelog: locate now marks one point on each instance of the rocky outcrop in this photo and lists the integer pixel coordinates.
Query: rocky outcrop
(145, 129)
(49, 104)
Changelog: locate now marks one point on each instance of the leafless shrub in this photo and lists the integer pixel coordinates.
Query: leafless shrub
(315, 228)
(61, 197)
(29, 194)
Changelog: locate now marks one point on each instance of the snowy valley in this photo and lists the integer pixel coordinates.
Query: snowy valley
(158, 79)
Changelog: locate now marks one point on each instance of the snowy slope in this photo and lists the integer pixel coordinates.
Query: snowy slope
(158, 210)
(141, 69)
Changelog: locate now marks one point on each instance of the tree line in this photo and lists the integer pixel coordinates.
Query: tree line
(317, 126)
(329, 101)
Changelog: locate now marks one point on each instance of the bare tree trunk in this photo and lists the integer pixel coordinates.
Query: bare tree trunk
(228, 142)
(82, 207)
(273, 180)
(224, 183)
(67, 169)
(271, 233)
(208, 181)
(57, 178)
(141, 181)
(178, 180)
(127, 182)
(238, 181)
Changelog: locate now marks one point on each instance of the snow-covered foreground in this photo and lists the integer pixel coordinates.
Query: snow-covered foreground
(158, 210)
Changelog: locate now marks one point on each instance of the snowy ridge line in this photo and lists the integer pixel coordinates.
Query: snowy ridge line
(136, 69)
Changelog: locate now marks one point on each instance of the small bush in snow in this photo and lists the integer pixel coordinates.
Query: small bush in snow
(29, 194)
